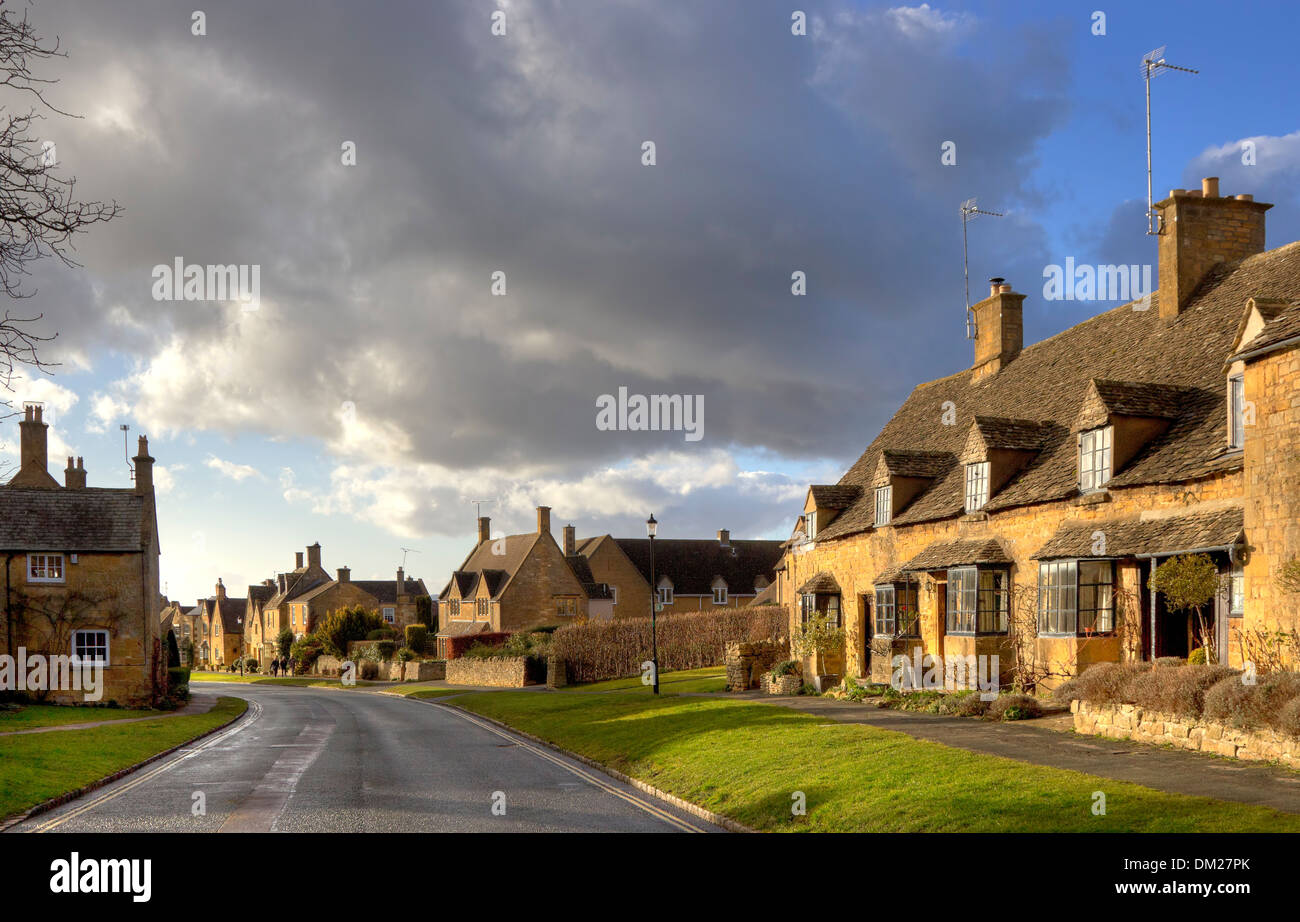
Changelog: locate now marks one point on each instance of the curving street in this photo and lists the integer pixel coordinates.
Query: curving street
(332, 761)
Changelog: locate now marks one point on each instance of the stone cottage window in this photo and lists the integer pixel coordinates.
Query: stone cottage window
(896, 613)
(1237, 411)
(884, 504)
(90, 646)
(977, 486)
(1094, 458)
(978, 600)
(1237, 591)
(665, 592)
(45, 568)
(827, 604)
(1076, 597)
(720, 593)
(810, 525)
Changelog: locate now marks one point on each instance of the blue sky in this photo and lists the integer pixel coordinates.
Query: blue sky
(381, 387)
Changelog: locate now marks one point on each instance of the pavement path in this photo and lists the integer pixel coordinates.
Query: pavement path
(1171, 770)
(198, 704)
(321, 760)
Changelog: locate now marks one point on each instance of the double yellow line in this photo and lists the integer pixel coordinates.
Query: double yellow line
(568, 766)
(254, 711)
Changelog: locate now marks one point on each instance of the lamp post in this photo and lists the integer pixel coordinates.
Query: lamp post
(243, 646)
(651, 526)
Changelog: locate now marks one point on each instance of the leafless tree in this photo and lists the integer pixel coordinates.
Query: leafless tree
(39, 209)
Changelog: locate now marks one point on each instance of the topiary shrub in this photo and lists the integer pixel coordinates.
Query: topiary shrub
(1177, 689)
(1066, 692)
(417, 635)
(1196, 657)
(1014, 706)
(787, 667)
(369, 670)
(1288, 719)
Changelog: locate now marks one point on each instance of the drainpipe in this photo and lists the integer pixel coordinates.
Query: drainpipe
(9, 619)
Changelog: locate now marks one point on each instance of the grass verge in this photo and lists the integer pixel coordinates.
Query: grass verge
(748, 761)
(297, 681)
(708, 679)
(39, 766)
(34, 716)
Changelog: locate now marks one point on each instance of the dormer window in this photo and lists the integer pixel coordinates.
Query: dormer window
(1094, 459)
(720, 594)
(810, 525)
(665, 591)
(1236, 412)
(884, 505)
(977, 486)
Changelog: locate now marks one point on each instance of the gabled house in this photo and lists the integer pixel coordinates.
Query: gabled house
(1023, 503)
(81, 569)
(516, 582)
(690, 575)
(220, 626)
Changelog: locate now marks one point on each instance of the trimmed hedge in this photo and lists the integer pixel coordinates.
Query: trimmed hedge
(614, 649)
(456, 646)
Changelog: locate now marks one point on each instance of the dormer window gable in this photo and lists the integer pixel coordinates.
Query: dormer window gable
(824, 503)
(996, 450)
(901, 476)
(1266, 324)
(1118, 420)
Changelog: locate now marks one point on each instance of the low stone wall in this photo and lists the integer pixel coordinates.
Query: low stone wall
(781, 685)
(1143, 725)
(505, 672)
(557, 674)
(427, 671)
(747, 662)
(326, 666)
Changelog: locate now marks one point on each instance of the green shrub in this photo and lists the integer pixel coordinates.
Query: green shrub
(305, 651)
(1288, 719)
(369, 670)
(1196, 657)
(1066, 692)
(1014, 706)
(964, 703)
(173, 651)
(176, 676)
(417, 635)
(344, 625)
(386, 649)
(384, 632)
(284, 643)
(808, 689)
(405, 655)
(926, 700)
(787, 667)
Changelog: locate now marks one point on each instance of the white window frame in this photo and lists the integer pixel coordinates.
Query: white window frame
(45, 560)
(1237, 412)
(613, 595)
(884, 505)
(665, 594)
(103, 634)
(977, 486)
(390, 614)
(1096, 458)
(810, 525)
(1237, 590)
(719, 595)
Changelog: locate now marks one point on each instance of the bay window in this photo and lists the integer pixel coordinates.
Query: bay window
(896, 613)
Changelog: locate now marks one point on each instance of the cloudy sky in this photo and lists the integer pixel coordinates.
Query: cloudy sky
(380, 386)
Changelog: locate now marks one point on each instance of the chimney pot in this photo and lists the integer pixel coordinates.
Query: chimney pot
(995, 284)
(1245, 197)
(1210, 187)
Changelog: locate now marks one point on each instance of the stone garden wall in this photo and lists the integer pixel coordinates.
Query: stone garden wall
(503, 672)
(1143, 725)
(746, 662)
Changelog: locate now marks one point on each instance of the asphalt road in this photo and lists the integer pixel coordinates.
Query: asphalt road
(332, 761)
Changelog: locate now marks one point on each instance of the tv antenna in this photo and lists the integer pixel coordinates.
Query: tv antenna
(1153, 65)
(969, 212)
(405, 551)
(126, 451)
(478, 508)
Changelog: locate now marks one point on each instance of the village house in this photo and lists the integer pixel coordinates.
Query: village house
(1019, 507)
(690, 575)
(219, 621)
(81, 569)
(515, 582)
(183, 623)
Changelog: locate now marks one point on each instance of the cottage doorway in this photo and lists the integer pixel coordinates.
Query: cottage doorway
(868, 631)
(1173, 630)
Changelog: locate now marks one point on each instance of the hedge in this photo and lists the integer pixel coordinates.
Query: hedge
(456, 646)
(600, 650)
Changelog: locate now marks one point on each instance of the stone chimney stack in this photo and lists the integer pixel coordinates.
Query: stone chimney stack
(33, 471)
(74, 478)
(484, 529)
(999, 329)
(283, 582)
(313, 555)
(401, 582)
(570, 541)
(724, 537)
(1199, 229)
(543, 520)
(345, 574)
(297, 560)
(220, 590)
(143, 468)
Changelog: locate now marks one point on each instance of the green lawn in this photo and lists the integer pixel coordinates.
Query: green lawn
(746, 760)
(424, 691)
(708, 679)
(36, 767)
(33, 716)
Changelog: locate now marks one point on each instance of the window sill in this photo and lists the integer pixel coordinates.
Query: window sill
(979, 515)
(1093, 498)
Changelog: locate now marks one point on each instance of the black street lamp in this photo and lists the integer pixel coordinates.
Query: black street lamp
(651, 526)
(243, 646)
